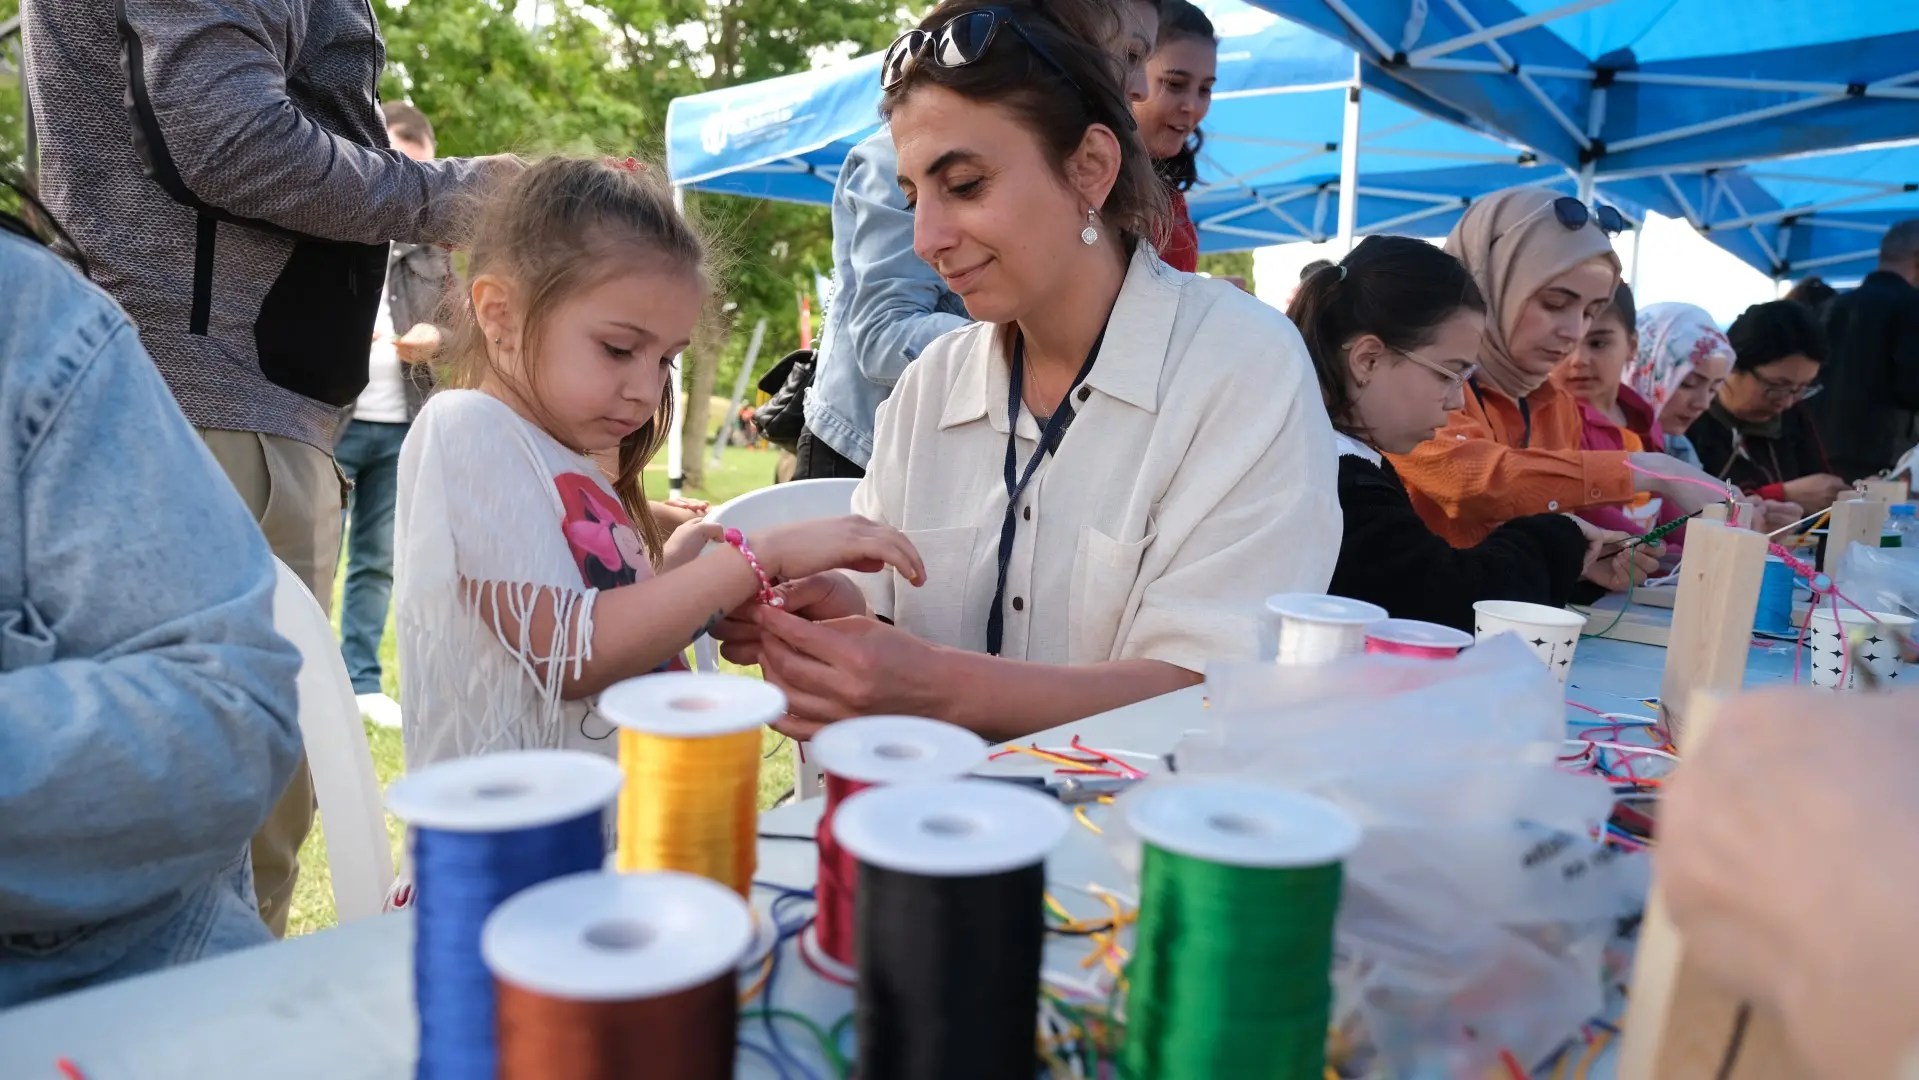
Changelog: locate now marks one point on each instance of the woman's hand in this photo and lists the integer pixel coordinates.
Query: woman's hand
(841, 668)
(419, 345)
(1824, 934)
(1680, 484)
(1816, 492)
(831, 595)
(841, 543)
(1611, 562)
(1774, 516)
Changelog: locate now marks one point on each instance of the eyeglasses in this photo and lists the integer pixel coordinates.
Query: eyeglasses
(1454, 379)
(1574, 215)
(1781, 392)
(962, 41)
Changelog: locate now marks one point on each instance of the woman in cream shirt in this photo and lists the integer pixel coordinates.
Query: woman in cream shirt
(1192, 471)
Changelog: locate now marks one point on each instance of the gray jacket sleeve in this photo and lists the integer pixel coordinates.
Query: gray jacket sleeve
(147, 706)
(207, 85)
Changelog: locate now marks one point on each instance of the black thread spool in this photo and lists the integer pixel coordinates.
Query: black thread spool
(950, 926)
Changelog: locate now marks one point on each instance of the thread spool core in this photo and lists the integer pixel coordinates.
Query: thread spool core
(519, 789)
(951, 828)
(619, 935)
(1243, 824)
(694, 704)
(896, 749)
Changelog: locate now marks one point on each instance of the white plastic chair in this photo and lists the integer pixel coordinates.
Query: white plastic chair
(799, 500)
(344, 783)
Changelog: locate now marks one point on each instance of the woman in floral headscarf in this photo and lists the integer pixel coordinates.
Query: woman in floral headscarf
(1683, 359)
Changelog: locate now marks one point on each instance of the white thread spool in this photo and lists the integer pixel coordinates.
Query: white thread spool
(1317, 629)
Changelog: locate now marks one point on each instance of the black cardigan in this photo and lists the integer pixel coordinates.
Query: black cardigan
(1389, 557)
(1767, 463)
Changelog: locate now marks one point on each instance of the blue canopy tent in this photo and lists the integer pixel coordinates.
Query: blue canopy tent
(1629, 87)
(1821, 214)
(1274, 137)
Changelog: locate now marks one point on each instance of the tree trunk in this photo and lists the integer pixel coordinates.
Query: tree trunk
(704, 357)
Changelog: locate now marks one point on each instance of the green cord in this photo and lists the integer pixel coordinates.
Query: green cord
(834, 1058)
(1231, 973)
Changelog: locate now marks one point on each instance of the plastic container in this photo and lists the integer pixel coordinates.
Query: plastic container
(1902, 527)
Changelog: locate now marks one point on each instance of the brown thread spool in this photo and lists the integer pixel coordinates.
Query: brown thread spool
(607, 977)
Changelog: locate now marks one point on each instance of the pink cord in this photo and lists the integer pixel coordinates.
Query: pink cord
(1719, 489)
(1821, 586)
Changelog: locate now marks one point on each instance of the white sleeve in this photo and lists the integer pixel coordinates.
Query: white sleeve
(878, 496)
(479, 528)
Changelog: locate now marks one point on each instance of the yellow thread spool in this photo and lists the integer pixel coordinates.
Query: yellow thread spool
(690, 749)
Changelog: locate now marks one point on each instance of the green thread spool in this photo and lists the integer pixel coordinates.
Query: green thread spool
(1231, 971)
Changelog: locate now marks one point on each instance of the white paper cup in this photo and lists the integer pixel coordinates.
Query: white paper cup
(1551, 633)
(1827, 639)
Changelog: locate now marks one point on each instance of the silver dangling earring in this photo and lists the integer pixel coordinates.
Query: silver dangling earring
(1090, 234)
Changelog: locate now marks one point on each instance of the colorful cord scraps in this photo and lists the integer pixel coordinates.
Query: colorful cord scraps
(1093, 763)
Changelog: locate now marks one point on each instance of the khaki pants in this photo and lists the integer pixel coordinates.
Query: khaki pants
(296, 494)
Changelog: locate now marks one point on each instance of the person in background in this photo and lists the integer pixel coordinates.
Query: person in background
(1824, 940)
(226, 170)
(1171, 465)
(1870, 410)
(1394, 333)
(1181, 74)
(148, 717)
(1612, 414)
(1546, 267)
(1305, 274)
(1757, 433)
(406, 338)
(1813, 292)
(1682, 358)
(889, 304)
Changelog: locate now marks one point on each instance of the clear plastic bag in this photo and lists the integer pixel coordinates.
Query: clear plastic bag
(1479, 901)
(1880, 579)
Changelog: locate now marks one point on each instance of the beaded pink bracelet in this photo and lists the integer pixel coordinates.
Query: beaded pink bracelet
(767, 596)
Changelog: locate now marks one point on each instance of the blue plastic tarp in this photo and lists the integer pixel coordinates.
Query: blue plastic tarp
(1629, 86)
(1272, 139)
(1820, 215)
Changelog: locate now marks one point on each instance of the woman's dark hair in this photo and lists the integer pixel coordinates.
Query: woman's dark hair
(1623, 308)
(1395, 288)
(1770, 332)
(1015, 77)
(1179, 19)
(1813, 292)
(36, 223)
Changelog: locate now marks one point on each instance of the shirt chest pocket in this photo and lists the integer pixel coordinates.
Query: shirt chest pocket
(937, 610)
(1104, 573)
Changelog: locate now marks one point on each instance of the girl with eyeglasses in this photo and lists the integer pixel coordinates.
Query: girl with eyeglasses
(1546, 267)
(1394, 333)
(1110, 471)
(1757, 433)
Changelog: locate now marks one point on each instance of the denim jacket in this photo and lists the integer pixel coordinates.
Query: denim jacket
(887, 306)
(147, 707)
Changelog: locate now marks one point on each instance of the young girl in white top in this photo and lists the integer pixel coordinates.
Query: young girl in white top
(527, 583)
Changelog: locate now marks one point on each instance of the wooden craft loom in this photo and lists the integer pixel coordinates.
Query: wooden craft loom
(1678, 1025)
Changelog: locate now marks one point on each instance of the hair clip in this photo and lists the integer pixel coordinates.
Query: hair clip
(1342, 271)
(630, 165)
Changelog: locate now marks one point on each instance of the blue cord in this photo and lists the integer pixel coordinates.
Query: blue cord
(460, 878)
(786, 933)
(778, 1065)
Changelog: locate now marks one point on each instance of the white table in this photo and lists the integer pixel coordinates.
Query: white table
(337, 1005)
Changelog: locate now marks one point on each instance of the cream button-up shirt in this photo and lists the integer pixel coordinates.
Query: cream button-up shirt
(1197, 479)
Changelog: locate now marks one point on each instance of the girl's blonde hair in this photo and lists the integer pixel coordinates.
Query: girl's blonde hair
(564, 225)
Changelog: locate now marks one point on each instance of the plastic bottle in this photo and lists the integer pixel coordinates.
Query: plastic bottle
(1902, 527)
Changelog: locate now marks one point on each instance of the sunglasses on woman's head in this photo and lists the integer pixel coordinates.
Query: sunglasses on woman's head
(1574, 214)
(963, 40)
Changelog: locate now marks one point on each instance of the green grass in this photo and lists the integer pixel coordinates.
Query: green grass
(741, 471)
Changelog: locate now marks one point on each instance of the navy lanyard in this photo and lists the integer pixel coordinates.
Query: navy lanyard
(1049, 440)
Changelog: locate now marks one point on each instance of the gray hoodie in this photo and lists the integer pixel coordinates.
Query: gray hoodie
(225, 169)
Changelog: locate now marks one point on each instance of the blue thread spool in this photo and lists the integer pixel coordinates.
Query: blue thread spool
(1774, 615)
(484, 829)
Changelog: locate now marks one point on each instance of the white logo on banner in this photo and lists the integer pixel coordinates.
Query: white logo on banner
(731, 126)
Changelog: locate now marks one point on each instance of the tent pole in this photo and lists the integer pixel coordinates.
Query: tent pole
(1349, 162)
(1586, 181)
(675, 442)
(1638, 245)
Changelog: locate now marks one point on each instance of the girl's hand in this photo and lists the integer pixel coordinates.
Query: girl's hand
(698, 506)
(686, 543)
(1680, 484)
(674, 513)
(1611, 564)
(842, 543)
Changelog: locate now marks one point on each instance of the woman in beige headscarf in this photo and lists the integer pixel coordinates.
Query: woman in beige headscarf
(1546, 268)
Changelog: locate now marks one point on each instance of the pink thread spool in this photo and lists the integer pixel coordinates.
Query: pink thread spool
(1410, 637)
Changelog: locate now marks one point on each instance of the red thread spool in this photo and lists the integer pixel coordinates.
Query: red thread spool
(1410, 637)
(872, 751)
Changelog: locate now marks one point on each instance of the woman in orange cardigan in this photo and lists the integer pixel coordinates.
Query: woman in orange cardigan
(1546, 266)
